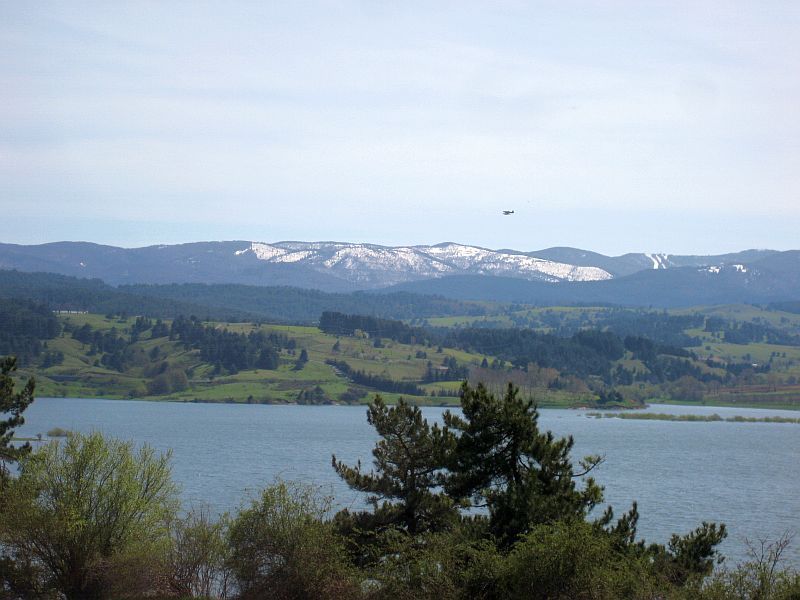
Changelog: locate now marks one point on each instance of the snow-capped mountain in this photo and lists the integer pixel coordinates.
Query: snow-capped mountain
(381, 265)
(345, 267)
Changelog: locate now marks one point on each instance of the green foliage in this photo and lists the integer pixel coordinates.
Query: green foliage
(171, 380)
(691, 556)
(282, 548)
(198, 556)
(383, 384)
(316, 395)
(573, 559)
(762, 577)
(504, 462)
(12, 405)
(86, 515)
(409, 460)
(438, 566)
(226, 349)
(23, 326)
(301, 360)
(537, 541)
(336, 323)
(57, 432)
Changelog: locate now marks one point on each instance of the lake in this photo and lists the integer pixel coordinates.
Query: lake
(746, 475)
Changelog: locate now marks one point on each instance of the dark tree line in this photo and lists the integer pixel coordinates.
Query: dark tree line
(661, 327)
(336, 323)
(384, 384)
(584, 354)
(227, 350)
(23, 326)
(450, 370)
(747, 333)
(61, 292)
(112, 347)
(144, 324)
(300, 305)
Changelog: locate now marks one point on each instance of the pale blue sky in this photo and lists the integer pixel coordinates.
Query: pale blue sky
(613, 126)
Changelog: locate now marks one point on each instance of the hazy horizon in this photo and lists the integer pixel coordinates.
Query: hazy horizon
(356, 242)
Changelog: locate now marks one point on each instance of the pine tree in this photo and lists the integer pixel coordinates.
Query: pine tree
(12, 404)
(502, 461)
(409, 460)
(301, 360)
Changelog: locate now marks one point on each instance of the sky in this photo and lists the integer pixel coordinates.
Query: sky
(611, 126)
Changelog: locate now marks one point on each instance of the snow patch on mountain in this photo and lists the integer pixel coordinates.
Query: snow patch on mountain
(293, 257)
(383, 265)
(265, 251)
(660, 261)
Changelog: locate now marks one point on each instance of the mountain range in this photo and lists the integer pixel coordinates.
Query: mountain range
(551, 276)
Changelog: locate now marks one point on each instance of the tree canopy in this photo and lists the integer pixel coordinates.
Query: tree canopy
(12, 405)
(404, 488)
(502, 461)
(85, 506)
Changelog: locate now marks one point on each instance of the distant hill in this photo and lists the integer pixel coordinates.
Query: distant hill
(61, 292)
(335, 266)
(220, 301)
(550, 276)
(202, 262)
(628, 264)
(773, 278)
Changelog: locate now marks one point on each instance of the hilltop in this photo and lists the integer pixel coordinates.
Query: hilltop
(548, 276)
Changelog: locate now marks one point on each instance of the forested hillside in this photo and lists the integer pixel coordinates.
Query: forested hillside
(350, 357)
(221, 302)
(25, 327)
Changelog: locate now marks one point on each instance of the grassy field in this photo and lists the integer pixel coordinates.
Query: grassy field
(82, 375)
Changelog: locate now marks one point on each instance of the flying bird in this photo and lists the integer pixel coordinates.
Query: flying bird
(508, 212)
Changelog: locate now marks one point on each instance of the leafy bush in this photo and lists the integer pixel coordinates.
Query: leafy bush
(575, 559)
(283, 548)
(87, 518)
(762, 577)
(198, 556)
(57, 432)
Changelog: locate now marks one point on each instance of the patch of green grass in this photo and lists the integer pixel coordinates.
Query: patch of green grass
(57, 432)
(691, 418)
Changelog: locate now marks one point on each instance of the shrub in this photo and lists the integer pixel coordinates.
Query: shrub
(87, 517)
(284, 548)
(171, 380)
(57, 432)
(762, 577)
(440, 566)
(565, 560)
(198, 556)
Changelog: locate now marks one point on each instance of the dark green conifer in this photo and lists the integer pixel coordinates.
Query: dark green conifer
(12, 405)
(502, 461)
(405, 487)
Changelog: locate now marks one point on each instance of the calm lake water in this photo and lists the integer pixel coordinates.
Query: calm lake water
(746, 475)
